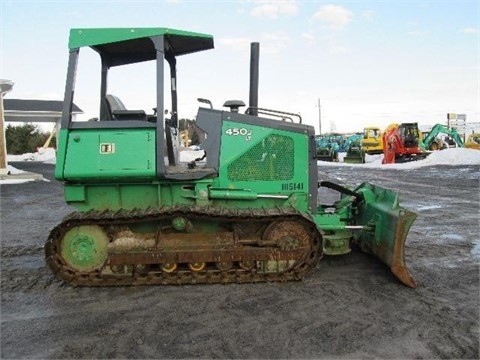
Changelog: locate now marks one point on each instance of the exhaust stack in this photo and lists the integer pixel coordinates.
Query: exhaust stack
(254, 66)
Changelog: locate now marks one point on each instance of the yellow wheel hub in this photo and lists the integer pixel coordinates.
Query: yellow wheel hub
(197, 266)
(169, 268)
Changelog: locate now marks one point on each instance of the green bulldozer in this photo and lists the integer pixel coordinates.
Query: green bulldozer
(245, 211)
(355, 153)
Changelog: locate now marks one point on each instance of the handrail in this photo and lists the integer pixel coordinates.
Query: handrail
(275, 113)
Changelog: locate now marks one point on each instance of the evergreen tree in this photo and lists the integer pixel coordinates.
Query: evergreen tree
(24, 139)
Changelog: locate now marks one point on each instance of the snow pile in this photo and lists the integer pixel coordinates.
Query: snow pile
(46, 155)
(453, 156)
(190, 155)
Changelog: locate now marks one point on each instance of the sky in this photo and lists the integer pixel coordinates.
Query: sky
(367, 63)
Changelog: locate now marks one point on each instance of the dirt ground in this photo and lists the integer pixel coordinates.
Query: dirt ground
(349, 307)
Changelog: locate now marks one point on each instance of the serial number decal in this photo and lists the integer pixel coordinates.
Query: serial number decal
(292, 186)
(240, 132)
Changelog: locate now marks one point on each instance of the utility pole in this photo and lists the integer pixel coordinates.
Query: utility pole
(319, 118)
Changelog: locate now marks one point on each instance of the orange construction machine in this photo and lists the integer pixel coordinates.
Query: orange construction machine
(401, 143)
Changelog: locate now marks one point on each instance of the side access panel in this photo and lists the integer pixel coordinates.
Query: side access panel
(108, 154)
(266, 161)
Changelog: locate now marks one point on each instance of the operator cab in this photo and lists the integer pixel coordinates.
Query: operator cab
(409, 133)
(117, 48)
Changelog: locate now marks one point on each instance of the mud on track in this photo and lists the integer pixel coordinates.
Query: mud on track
(349, 307)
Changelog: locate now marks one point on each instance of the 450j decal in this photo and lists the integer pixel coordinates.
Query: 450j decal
(240, 132)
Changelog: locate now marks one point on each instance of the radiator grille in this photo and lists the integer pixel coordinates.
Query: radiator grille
(270, 160)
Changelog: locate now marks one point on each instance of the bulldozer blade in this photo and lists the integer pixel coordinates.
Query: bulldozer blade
(386, 228)
(326, 158)
(354, 160)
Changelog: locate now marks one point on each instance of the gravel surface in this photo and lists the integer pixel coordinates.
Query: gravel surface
(349, 307)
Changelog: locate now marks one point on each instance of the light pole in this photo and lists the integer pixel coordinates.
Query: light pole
(319, 118)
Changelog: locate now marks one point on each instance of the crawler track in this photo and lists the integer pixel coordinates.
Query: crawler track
(261, 239)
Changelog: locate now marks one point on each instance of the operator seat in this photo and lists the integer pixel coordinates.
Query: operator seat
(114, 103)
(117, 111)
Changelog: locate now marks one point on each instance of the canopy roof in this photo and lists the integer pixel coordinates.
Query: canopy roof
(130, 45)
